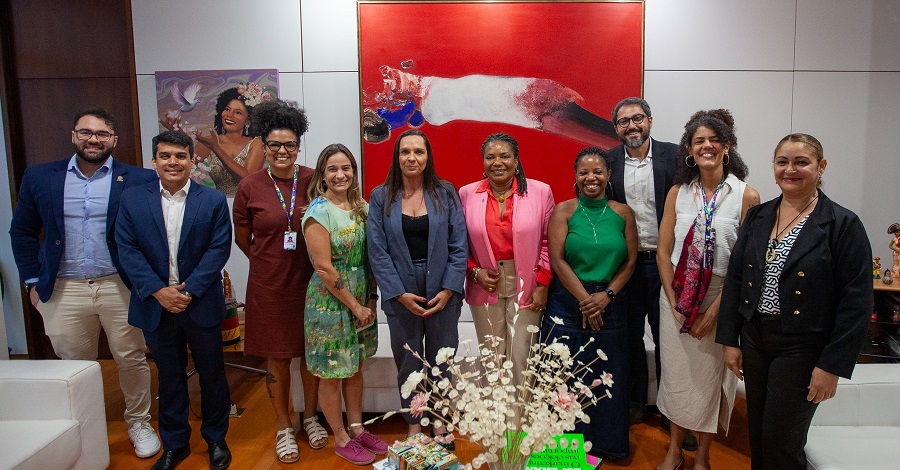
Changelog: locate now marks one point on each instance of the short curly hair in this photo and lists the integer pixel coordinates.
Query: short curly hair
(721, 122)
(278, 114)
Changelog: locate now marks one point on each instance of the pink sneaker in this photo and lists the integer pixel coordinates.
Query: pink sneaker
(371, 443)
(354, 453)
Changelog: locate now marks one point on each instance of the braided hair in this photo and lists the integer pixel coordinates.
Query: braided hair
(520, 172)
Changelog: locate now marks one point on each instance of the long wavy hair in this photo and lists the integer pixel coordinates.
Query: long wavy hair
(317, 186)
(431, 183)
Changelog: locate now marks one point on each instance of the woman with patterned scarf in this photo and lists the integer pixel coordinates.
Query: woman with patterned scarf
(699, 226)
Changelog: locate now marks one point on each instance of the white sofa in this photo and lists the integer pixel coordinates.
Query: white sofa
(860, 427)
(52, 415)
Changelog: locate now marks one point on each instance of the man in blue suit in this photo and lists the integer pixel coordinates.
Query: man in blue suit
(174, 238)
(73, 276)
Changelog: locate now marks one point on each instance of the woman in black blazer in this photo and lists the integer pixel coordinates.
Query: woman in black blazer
(795, 305)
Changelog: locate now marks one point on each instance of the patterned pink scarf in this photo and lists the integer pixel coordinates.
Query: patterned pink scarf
(694, 270)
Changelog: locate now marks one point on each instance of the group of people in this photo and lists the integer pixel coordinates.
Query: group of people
(775, 293)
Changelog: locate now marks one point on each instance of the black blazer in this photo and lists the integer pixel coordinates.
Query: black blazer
(665, 161)
(826, 285)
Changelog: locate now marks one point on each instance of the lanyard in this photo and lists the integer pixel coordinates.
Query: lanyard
(709, 208)
(288, 213)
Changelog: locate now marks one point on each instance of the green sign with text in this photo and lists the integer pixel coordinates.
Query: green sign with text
(569, 454)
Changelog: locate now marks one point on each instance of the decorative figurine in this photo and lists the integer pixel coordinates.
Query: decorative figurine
(876, 268)
(887, 278)
(894, 245)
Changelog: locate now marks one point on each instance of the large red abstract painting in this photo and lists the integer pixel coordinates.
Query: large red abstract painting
(547, 73)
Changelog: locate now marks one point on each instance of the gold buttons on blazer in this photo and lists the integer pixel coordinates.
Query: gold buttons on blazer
(801, 274)
(797, 292)
(796, 312)
(750, 284)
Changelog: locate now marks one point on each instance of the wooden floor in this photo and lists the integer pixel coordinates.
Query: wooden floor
(251, 437)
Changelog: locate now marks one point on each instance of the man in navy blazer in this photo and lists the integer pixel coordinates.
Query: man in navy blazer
(73, 276)
(174, 239)
(643, 170)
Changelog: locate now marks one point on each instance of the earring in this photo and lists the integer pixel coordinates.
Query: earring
(517, 170)
(247, 128)
(484, 174)
(726, 159)
(687, 161)
(575, 188)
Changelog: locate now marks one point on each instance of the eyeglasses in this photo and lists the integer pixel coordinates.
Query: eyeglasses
(637, 119)
(85, 134)
(274, 145)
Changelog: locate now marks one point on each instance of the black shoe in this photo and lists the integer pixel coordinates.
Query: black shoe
(219, 456)
(636, 415)
(689, 442)
(171, 458)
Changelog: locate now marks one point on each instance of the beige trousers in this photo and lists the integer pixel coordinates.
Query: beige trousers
(73, 316)
(505, 320)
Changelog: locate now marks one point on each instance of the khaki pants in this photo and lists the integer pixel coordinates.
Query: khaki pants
(73, 316)
(504, 320)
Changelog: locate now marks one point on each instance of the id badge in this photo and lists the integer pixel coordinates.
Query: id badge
(290, 240)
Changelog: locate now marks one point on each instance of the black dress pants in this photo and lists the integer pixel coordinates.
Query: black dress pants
(777, 370)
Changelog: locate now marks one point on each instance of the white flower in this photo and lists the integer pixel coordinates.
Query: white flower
(601, 354)
(411, 383)
(607, 379)
(532, 329)
(557, 320)
(443, 355)
(587, 446)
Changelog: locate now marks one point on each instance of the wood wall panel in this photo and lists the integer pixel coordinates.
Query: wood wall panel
(65, 38)
(54, 102)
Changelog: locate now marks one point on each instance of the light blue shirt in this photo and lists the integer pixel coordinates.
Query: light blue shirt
(85, 203)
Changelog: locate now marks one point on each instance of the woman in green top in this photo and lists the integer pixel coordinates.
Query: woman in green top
(593, 249)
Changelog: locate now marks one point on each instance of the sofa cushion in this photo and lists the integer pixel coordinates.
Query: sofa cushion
(40, 444)
(853, 447)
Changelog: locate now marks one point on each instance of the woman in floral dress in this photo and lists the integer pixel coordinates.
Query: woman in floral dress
(340, 301)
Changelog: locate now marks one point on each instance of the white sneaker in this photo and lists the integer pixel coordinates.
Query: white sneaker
(142, 435)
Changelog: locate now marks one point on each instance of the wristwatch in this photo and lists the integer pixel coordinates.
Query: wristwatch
(184, 292)
(475, 273)
(611, 294)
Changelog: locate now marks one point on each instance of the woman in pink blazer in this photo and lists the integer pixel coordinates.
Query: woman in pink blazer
(509, 266)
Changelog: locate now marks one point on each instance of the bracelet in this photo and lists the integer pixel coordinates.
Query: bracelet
(611, 294)
(475, 274)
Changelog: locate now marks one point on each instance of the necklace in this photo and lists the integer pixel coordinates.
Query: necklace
(773, 242)
(593, 224)
(502, 197)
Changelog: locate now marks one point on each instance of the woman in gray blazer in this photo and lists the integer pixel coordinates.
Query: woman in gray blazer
(418, 250)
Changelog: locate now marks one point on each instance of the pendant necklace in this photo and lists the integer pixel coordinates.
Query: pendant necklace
(502, 197)
(593, 224)
(773, 242)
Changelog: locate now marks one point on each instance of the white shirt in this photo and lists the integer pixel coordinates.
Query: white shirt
(173, 215)
(726, 219)
(640, 196)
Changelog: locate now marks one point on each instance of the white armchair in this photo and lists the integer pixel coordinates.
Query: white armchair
(860, 427)
(52, 415)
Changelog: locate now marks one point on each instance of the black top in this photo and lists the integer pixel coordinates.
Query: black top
(415, 231)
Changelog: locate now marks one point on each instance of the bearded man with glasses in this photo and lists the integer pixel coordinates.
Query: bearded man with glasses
(73, 275)
(642, 172)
